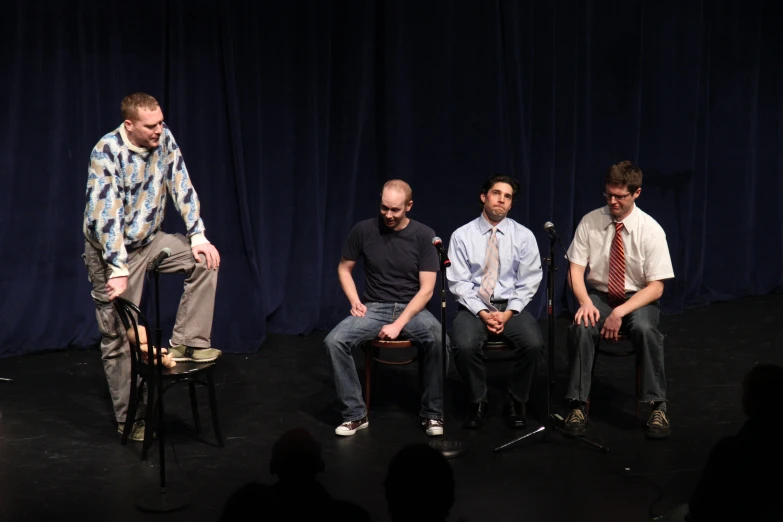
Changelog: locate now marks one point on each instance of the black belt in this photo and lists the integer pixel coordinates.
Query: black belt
(498, 301)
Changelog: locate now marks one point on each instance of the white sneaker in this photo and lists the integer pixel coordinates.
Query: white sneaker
(346, 429)
(433, 427)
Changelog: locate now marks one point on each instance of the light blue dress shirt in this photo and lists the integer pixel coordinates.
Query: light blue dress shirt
(520, 271)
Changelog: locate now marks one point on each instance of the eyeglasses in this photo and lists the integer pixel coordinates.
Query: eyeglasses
(618, 197)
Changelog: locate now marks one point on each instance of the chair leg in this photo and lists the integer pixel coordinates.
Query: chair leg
(152, 408)
(638, 387)
(130, 416)
(214, 410)
(194, 406)
(367, 375)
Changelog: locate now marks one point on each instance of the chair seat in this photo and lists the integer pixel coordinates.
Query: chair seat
(372, 357)
(619, 348)
(396, 343)
(185, 368)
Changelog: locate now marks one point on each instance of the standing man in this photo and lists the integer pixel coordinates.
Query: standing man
(401, 267)
(495, 271)
(131, 170)
(629, 259)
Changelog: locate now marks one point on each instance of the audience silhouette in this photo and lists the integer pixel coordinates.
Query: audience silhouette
(419, 485)
(740, 480)
(297, 494)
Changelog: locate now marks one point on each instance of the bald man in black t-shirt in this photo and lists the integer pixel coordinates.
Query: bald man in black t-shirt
(401, 267)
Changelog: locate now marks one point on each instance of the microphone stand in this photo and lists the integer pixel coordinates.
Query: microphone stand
(552, 421)
(164, 500)
(448, 448)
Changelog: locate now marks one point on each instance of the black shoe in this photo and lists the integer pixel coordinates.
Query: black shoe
(514, 412)
(477, 414)
(658, 425)
(575, 423)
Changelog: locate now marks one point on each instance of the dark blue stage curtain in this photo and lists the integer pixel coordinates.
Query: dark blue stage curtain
(292, 114)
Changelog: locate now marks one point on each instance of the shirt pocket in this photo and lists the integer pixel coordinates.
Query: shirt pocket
(634, 270)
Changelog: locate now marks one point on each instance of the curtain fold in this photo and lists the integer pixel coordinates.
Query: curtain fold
(292, 115)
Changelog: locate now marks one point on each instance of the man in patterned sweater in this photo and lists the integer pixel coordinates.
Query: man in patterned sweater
(131, 170)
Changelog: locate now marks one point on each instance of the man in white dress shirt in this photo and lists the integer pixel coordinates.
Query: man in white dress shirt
(629, 259)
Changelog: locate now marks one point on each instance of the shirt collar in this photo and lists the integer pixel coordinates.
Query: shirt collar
(129, 144)
(629, 223)
(485, 227)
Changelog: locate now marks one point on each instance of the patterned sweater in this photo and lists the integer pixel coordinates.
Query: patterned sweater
(126, 196)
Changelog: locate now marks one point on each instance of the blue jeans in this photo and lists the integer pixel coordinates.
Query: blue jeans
(642, 328)
(423, 329)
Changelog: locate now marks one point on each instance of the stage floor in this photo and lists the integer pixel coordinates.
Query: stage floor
(61, 455)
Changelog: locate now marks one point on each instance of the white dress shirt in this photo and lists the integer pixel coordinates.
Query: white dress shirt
(646, 251)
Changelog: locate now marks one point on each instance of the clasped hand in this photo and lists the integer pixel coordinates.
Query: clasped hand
(495, 321)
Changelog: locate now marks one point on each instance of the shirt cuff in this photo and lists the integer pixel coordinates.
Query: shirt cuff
(475, 305)
(118, 272)
(198, 239)
(516, 306)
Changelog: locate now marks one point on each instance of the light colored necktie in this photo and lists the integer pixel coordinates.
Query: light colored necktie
(617, 268)
(491, 266)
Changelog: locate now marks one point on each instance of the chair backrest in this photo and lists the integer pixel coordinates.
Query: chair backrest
(132, 318)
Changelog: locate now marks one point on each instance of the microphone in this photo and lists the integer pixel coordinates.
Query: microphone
(153, 266)
(441, 251)
(550, 228)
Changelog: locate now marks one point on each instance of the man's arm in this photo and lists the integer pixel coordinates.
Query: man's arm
(187, 203)
(649, 294)
(528, 277)
(587, 310)
(416, 305)
(344, 270)
(459, 277)
(104, 215)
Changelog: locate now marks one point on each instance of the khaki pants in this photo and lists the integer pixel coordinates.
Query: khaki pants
(193, 325)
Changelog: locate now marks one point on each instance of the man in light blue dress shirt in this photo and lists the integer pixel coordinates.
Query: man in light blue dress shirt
(498, 310)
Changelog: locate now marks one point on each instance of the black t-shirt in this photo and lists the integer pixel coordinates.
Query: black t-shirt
(392, 259)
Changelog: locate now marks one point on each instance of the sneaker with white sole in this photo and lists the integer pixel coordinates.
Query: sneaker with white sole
(348, 428)
(432, 427)
(182, 353)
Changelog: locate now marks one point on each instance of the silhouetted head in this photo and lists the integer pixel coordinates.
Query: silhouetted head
(296, 455)
(243, 504)
(760, 388)
(419, 484)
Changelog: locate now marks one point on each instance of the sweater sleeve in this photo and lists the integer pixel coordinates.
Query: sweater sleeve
(105, 212)
(182, 192)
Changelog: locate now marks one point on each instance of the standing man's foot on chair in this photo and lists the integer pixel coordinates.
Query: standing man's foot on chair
(182, 353)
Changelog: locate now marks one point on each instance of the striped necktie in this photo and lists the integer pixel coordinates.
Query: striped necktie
(617, 268)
